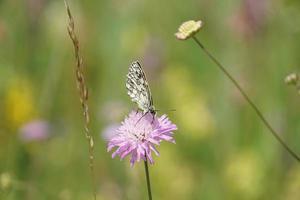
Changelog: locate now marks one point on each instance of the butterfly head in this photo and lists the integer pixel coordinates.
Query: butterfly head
(152, 110)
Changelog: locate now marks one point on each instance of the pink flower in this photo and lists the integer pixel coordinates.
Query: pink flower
(250, 18)
(35, 131)
(139, 134)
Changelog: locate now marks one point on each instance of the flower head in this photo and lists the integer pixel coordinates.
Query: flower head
(18, 112)
(292, 79)
(139, 134)
(37, 130)
(188, 29)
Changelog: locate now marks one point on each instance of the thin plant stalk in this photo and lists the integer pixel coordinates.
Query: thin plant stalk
(83, 95)
(247, 98)
(148, 179)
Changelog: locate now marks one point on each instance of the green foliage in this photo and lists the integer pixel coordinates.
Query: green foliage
(222, 150)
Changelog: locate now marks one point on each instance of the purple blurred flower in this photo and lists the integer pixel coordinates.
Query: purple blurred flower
(138, 134)
(109, 132)
(250, 18)
(35, 131)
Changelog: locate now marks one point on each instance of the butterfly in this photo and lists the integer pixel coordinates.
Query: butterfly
(138, 88)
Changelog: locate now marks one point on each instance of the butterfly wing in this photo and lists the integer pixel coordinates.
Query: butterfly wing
(137, 87)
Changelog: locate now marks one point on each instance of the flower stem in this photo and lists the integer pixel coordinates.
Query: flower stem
(257, 111)
(148, 179)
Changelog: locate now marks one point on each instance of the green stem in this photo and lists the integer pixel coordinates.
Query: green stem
(148, 179)
(257, 111)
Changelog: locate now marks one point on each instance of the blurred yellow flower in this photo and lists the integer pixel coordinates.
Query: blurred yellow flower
(169, 175)
(188, 29)
(173, 175)
(5, 181)
(19, 103)
(186, 98)
(243, 175)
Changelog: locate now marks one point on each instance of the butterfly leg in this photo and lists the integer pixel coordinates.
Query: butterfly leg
(152, 118)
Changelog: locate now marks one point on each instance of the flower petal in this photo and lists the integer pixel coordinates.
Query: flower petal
(139, 134)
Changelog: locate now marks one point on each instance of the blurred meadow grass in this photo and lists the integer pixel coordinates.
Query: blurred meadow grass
(222, 150)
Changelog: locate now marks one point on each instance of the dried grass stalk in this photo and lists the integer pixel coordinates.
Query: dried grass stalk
(83, 93)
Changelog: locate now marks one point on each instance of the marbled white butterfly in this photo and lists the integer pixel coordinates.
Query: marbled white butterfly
(138, 89)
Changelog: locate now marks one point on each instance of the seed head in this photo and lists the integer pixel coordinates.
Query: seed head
(291, 79)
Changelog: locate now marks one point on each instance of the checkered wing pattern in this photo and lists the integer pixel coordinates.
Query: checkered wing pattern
(138, 89)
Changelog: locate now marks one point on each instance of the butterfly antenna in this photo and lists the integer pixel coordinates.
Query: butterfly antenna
(173, 110)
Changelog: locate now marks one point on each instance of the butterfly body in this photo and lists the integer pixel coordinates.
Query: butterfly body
(138, 88)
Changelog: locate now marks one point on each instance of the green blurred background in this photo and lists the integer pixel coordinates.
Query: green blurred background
(223, 151)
